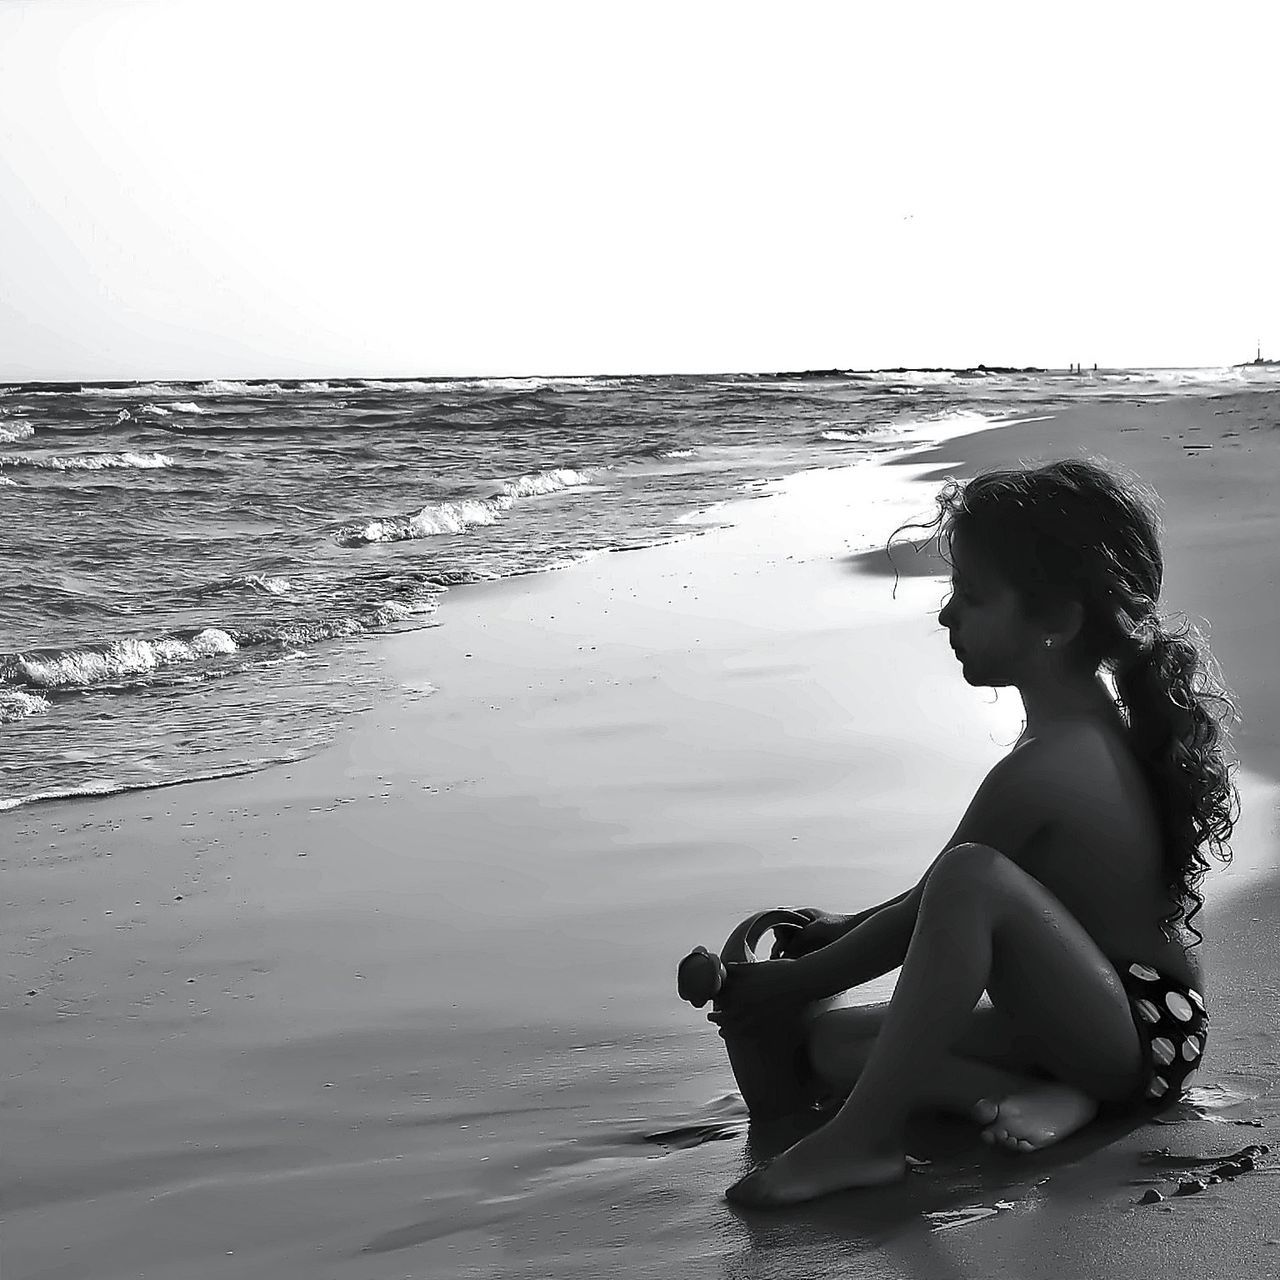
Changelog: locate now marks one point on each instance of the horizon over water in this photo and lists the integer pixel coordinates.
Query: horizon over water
(193, 569)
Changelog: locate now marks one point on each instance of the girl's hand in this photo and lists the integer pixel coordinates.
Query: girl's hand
(758, 995)
(791, 941)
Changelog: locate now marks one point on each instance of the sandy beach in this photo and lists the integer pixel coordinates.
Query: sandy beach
(406, 1008)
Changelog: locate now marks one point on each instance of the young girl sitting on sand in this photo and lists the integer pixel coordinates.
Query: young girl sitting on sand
(1066, 893)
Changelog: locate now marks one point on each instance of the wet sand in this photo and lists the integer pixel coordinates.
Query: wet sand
(407, 1008)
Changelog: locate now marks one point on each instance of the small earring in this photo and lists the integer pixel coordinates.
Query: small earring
(1048, 642)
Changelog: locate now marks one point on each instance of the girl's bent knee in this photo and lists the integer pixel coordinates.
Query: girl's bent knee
(969, 862)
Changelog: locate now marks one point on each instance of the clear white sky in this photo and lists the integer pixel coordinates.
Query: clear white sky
(196, 188)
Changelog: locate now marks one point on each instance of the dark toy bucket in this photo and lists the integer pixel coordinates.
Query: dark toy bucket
(773, 1072)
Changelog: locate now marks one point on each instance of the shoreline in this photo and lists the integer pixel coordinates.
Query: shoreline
(699, 522)
(407, 1006)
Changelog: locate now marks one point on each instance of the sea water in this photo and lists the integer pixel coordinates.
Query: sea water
(190, 572)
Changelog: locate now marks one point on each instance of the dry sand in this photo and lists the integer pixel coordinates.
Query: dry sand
(407, 1008)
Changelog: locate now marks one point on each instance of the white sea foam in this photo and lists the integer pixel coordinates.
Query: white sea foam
(121, 659)
(463, 514)
(542, 482)
(677, 453)
(187, 406)
(88, 461)
(108, 787)
(921, 377)
(306, 633)
(381, 384)
(836, 434)
(136, 390)
(453, 517)
(16, 704)
(580, 558)
(225, 387)
(272, 586)
(157, 409)
(16, 431)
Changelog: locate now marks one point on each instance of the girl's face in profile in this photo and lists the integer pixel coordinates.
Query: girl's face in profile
(988, 630)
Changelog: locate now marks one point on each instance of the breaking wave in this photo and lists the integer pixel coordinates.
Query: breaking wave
(225, 387)
(127, 662)
(88, 461)
(17, 704)
(541, 482)
(460, 515)
(119, 660)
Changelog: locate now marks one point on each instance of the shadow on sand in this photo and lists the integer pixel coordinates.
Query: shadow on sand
(959, 1181)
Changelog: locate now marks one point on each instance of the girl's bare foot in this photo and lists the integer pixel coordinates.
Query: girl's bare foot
(816, 1166)
(1034, 1118)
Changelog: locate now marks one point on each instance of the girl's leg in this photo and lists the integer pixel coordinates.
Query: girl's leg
(987, 1061)
(984, 923)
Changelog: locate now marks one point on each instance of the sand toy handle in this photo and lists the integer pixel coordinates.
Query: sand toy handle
(701, 975)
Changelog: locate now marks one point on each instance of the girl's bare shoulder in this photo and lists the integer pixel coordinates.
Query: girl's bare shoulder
(1094, 778)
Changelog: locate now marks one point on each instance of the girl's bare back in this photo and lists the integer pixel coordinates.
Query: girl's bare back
(1101, 852)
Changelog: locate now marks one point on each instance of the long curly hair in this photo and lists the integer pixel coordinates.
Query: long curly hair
(1083, 530)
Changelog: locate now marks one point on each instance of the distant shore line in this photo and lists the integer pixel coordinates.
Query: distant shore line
(357, 383)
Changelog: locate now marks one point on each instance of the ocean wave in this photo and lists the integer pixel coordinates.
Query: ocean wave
(157, 409)
(1187, 377)
(383, 384)
(228, 387)
(134, 390)
(263, 582)
(260, 583)
(17, 704)
(116, 661)
(107, 787)
(542, 482)
(947, 418)
(130, 661)
(464, 513)
(88, 461)
(836, 434)
(16, 431)
(440, 517)
(340, 628)
(443, 579)
(920, 377)
(676, 453)
(186, 406)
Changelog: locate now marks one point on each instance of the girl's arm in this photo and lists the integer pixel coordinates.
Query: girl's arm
(874, 944)
(853, 921)
(1013, 804)
(824, 928)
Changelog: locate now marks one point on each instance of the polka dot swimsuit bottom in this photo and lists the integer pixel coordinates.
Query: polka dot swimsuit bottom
(1173, 1026)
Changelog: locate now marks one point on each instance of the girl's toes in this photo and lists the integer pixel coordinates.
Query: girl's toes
(989, 1137)
(985, 1111)
(1024, 1145)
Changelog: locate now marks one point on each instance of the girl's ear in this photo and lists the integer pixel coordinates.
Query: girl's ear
(1067, 623)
